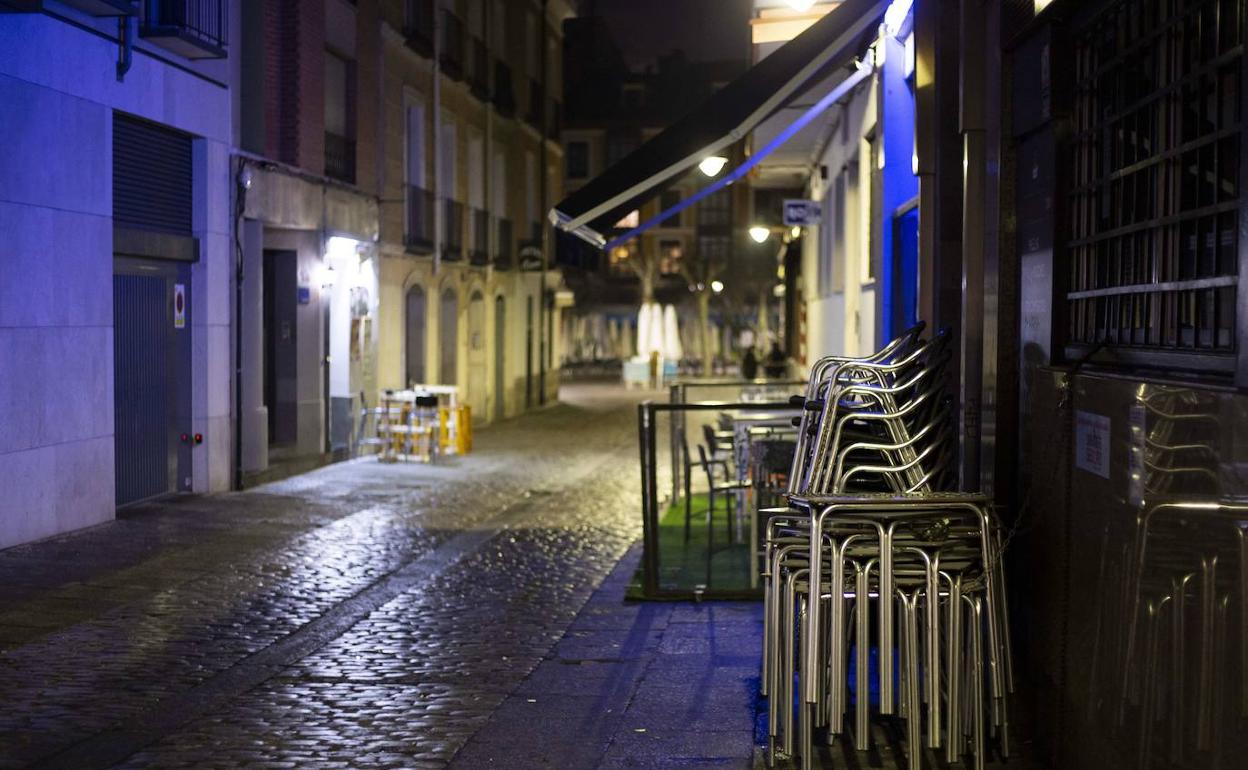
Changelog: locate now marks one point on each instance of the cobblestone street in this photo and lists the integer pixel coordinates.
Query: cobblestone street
(368, 615)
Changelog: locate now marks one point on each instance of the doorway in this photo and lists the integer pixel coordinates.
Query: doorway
(477, 381)
(500, 358)
(448, 337)
(414, 337)
(281, 303)
(151, 379)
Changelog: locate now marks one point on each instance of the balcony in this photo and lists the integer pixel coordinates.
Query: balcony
(453, 232)
(419, 27)
(504, 97)
(479, 69)
(531, 248)
(93, 7)
(478, 236)
(503, 248)
(340, 158)
(536, 102)
(452, 55)
(194, 29)
(420, 207)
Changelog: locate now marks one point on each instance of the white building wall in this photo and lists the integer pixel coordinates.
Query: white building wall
(840, 297)
(58, 89)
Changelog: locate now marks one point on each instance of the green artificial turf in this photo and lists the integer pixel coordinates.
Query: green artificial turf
(682, 565)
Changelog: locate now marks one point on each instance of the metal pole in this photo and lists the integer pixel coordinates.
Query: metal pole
(545, 230)
(438, 209)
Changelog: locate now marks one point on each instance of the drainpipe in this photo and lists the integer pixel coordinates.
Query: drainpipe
(545, 231)
(240, 206)
(438, 209)
(125, 44)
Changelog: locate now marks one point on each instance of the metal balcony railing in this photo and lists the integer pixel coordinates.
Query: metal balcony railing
(340, 157)
(418, 28)
(195, 29)
(478, 236)
(504, 248)
(420, 208)
(504, 95)
(453, 230)
(478, 69)
(536, 102)
(531, 248)
(452, 54)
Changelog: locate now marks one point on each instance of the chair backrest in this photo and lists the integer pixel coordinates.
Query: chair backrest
(706, 465)
(708, 435)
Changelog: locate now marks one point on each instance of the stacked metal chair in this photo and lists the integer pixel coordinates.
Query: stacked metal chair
(872, 532)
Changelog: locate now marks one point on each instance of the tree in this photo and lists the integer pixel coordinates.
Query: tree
(701, 272)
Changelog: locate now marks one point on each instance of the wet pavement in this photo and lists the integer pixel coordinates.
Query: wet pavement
(369, 615)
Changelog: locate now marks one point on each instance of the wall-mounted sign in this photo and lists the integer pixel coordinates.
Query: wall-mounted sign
(179, 306)
(305, 295)
(801, 212)
(1092, 443)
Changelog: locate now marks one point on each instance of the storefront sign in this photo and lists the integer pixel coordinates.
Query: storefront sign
(1092, 443)
(801, 212)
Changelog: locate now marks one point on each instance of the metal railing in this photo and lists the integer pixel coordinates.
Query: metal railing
(420, 208)
(452, 54)
(478, 236)
(453, 232)
(505, 247)
(206, 20)
(339, 157)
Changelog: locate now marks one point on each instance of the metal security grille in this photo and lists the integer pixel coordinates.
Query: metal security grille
(141, 314)
(1154, 198)
(151, 177)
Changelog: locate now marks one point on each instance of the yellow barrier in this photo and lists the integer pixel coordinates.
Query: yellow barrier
(463, 429)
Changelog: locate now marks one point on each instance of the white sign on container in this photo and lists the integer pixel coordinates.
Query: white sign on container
(1092, 443)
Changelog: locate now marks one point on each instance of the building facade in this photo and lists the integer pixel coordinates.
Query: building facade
(611, 112)
(114, 314)
(233, 223)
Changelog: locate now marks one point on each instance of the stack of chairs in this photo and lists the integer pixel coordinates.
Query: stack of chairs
(874, 551)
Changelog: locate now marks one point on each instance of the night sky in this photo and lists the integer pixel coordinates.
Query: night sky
(706, 30)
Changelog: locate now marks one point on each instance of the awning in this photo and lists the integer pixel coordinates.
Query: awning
(726, 117)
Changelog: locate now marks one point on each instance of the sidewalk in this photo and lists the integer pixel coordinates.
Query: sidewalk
(634, 685)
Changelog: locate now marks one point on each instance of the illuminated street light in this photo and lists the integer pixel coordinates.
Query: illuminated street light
(713, 164)
(800, 5)
(759, 233)
(717, 286)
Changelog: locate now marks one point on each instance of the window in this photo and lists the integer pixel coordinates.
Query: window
(671, 252)
(416, 146)
(578, 160)
(1153, 207)
(668, 199)
(447, 173)
(715, 210)
(619, 146)
(339, 141)
(838, 226)
(619, 261)
(826, 255)
(532, 46)
(714, 249)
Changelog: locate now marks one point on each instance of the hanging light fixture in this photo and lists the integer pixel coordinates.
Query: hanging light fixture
(800, 5)
(712, 165)
(759, 233)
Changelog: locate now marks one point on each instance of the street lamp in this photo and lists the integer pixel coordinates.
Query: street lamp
(712, 165)
(717, 286)
(759, 233)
